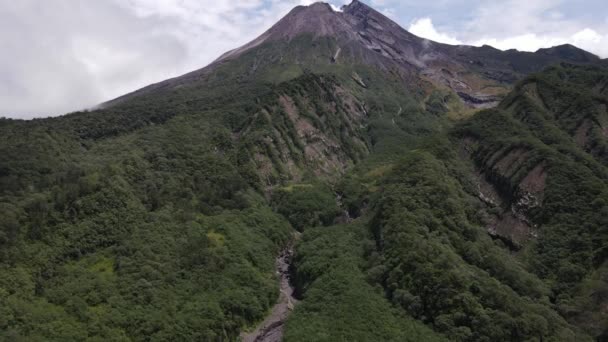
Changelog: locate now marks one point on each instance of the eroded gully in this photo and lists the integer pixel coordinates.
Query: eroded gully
(271, 329)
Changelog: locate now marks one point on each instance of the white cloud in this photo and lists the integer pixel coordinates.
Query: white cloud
(58, 57)
(591, 40)
(530, 25)
(424, 28)
(524, 42)
(514, 17)
(586, 38)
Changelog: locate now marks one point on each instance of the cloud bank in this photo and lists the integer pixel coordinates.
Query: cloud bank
(587, 39)
(518, 24)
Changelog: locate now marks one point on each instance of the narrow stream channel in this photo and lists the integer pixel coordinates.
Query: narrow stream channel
(271, 329)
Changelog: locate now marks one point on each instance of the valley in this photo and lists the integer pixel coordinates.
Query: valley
(337, 178)
(271, 329)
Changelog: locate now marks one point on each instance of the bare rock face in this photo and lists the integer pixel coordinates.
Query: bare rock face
(509, 205)
(318, 19)
(303, 136)
(360, 30)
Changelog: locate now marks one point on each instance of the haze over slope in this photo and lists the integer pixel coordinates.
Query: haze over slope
(422, 217)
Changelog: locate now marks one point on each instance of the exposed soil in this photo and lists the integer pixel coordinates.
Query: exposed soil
(512, 230)
(535, 181)
(271, 329)
(507, 165)
(581, 137)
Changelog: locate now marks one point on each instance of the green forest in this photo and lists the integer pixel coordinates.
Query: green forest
(159, 218)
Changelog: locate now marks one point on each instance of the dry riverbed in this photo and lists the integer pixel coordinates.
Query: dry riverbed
(271, 329)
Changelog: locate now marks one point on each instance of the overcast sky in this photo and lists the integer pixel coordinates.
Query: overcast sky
(59, 56)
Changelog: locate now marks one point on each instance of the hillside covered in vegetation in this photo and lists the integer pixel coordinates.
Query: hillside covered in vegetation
(416, 214)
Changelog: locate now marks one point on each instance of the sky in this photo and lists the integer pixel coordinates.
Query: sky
(61, 56)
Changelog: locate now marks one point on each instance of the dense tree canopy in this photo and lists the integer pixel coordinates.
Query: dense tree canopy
(159, 218)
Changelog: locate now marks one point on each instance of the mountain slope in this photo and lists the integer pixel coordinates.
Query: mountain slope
(317, 37)
(159, 215)
(543, 151)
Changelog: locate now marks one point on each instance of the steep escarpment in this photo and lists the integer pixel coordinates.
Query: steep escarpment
(544, 113)
(438, 264)
(432, 215)
(511, 181)
(573, 100)
(310, 125)
(551, 188)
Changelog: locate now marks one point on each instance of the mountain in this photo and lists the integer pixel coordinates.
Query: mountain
(419, 192)
(316, 36)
